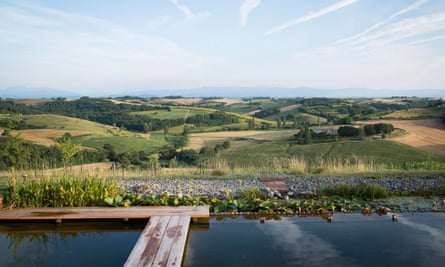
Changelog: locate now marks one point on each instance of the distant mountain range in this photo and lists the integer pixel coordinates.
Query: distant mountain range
(230, 92)
(34, 92)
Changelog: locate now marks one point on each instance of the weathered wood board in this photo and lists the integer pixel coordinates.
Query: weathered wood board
(101, 213)
(162, 243)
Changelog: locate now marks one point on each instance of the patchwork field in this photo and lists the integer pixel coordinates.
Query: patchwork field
(46, 137)
(426, 134)
(416, 113)
(237, 138)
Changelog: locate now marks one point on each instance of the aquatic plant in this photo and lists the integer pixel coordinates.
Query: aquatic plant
(66, 191)
(252, 193)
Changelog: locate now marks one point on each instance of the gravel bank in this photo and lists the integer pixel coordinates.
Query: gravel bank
(219, 187)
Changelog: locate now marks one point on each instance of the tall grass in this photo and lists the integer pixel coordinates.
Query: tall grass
(59, 192)
(367, 191)
(299, 165)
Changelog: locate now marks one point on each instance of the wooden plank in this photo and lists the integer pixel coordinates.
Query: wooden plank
(162, 243)
(148, 243)
(178, 249)
(167, 242)
(102, 213)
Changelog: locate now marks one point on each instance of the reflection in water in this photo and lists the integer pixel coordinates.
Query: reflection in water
(303, 248)
(70, 244)
(32, 249)
(434, 240)
(350, 240)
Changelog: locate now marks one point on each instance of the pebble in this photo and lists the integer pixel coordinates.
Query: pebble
(219, 188)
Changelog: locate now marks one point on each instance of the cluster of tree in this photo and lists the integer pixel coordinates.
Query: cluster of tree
(332, 108)
(19, 154)
(11, 107)
(267, 112)
(307, 136)
(378, 128)
(212, 119)
(367, 130)
(407, 104)
(107, 112)
(12, 124)
(171, 157)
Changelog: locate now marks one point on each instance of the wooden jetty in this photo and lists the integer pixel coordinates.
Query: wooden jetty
(162, 242)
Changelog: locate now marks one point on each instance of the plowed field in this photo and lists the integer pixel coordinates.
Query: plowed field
(424, 134)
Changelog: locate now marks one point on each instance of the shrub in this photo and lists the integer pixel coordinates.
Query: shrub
(348, 131)
(252, 193)
(219, 172)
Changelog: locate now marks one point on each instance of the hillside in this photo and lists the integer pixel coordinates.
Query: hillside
(131, 130)
(327, 157)
(86, 133)
(428, 135)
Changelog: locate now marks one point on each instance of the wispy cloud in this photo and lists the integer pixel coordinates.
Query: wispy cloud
(311, 16)
(84, 52)
(411, 7)
(189, 15)
(246, 7)
(404, 29)
(422, 41)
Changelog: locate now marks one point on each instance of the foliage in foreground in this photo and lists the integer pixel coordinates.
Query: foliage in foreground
(367, 191)
(71, 192)
(59, 192)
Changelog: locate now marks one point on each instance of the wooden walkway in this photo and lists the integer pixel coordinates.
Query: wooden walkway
(97, 213)
(162, 242)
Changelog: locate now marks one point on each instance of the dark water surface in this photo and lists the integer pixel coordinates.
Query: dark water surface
(350, 240)
(416, 239)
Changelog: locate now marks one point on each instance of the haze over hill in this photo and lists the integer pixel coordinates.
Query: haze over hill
(231, 92)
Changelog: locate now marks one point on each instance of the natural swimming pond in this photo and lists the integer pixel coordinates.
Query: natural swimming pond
(416, 239)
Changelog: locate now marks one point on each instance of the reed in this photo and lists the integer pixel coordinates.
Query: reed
(66, 191)
(366, 191)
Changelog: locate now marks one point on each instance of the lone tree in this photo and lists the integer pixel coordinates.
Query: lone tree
(67, 149)
(307, 135)
(153, 162)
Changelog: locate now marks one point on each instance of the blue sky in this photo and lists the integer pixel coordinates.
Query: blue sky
(117, 46)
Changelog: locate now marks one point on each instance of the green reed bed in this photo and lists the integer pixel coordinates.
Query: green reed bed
(59, 192)
(367, 191)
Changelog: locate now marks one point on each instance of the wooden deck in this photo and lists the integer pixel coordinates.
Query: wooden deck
(162, 242)
(92, 213)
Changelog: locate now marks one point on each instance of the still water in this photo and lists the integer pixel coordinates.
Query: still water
(350, 240)
(416, 239)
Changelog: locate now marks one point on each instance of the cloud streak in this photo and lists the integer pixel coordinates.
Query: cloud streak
(246, 7)
(311, 16)
(189, 15)
(411, 7)
(66, 48)
(407, 28)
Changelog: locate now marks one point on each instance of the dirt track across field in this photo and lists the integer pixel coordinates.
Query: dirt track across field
(424, 134)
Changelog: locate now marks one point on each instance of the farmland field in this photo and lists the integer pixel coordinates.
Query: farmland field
(237, 138)
(174, 113)
(427, 134)
(368, 152)
(121, 143)
(416, 113)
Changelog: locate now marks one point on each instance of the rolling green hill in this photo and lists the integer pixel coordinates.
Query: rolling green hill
(369, 154)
